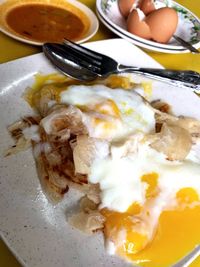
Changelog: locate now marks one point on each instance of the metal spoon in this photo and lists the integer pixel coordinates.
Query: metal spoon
(188, 259)
(84, 64)
(186, 44)
(64, 62)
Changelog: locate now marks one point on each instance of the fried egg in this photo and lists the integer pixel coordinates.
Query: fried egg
(137, 182)
(109, 113)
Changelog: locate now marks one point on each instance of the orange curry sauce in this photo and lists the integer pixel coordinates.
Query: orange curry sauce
(46, 23)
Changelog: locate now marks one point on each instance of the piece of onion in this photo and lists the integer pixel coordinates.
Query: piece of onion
(174, 141)
(68, 117)
(88, 222)
(86, 150)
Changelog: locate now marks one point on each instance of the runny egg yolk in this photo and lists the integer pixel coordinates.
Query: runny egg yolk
(187, 196)
(108, 107)
(107, 127)
(178, 230)
(152, 180)
(117, 223)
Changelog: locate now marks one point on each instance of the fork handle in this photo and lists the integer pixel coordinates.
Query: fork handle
(185, 78)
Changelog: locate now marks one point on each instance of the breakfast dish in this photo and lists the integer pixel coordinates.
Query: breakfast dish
(146, 23)
(37, 22)
(131, 159)
(119, 126)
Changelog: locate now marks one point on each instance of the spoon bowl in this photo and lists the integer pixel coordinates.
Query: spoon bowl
(64, 62)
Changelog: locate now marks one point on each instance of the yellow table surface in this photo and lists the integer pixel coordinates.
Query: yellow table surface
(11, 49)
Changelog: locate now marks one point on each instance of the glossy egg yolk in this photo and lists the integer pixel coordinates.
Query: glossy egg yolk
(178, 231)
(104, 116)
(108, 107)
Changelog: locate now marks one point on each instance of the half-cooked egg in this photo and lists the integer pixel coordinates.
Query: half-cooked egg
(136, 187)
(150, 197)
(110, 114)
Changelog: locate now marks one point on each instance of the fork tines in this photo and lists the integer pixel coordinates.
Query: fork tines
(82, 49)
(86, 57)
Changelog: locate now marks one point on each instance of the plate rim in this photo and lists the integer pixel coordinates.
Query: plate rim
(12, 250)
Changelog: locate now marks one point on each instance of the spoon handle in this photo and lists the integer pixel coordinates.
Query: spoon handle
(187, 260)
(186, 44)
(184, 78)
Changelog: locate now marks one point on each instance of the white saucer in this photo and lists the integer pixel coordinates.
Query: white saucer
(93, 21)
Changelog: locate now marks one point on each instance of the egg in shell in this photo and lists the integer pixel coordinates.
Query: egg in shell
(159, 25)
(137, 25)
(162, 23)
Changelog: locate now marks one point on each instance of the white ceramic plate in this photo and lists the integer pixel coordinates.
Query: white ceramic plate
(94, 23)
(36, 231)
(188, 26)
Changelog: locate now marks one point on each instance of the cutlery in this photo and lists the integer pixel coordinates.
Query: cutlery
(84, 64)
(188, 259)
(186, 44)
(64, 61)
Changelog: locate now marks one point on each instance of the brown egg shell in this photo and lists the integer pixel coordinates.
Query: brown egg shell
(147, 6)
(137, 26)
(125, 7)
(163, 23)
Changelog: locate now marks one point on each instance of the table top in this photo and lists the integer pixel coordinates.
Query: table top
(12, 49)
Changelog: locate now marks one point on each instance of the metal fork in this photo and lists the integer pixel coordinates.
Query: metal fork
(84, 64)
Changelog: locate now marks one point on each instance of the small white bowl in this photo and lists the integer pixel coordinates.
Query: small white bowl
(94, 23)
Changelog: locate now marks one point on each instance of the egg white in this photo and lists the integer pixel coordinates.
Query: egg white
(119, 174)
(134, 114)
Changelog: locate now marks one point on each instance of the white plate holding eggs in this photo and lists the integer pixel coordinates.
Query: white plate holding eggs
(185, 24)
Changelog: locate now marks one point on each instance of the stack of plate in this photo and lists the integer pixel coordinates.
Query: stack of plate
(188, 26)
